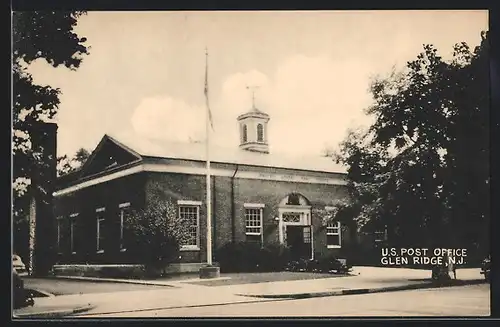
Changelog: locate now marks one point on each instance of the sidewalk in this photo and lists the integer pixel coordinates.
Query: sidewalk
(51, 311)
(365, 280)
(184, 294)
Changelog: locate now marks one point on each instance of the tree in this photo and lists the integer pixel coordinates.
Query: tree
(157, 231)
(422, 168)
(328, 151)
(66, 165)
(47, 35)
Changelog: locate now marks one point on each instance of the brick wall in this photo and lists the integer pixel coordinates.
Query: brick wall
(182, 187)
(85, 202)
(139, 188)
(270, 193)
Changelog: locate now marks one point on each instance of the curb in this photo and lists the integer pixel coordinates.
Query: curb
(54, 313)
(355, 291)
(113, 280)
(40, 293)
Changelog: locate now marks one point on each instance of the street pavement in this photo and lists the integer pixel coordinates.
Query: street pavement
(463, 301)
(67, 287)
(187, 294)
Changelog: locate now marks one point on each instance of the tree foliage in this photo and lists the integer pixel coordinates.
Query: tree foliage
(47, 35)
(423, 167)
(157, 231)
(66, 165)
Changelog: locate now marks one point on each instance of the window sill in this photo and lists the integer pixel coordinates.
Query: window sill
(190, 248)
(334, 246)
(100, 251)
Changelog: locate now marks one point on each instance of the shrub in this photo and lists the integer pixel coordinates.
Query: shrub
(274, 257)
(251, 257)
(157, 232)
(323, 264)
(237, 257)
(329, 263)
(298, 265)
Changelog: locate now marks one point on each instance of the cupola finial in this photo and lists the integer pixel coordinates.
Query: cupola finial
(253, 89)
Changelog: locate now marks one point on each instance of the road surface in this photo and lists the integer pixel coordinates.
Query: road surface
(452, 301)
(66, 286)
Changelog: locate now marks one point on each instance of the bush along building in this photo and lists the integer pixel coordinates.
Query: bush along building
(259, 199)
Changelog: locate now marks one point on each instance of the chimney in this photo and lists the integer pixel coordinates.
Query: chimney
(43, 178)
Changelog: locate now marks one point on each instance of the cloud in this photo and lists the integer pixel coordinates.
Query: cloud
(312, 101)
(164, 117)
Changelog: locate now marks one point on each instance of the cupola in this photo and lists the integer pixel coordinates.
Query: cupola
(253, 130)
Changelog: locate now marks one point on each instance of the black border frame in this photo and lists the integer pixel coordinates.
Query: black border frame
(310, 5)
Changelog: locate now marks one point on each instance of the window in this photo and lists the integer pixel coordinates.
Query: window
(124, 210)
(100, 229)
(244, 133)
(253, 223)
(72, 232)
(333, 239)
(293, 199)
(59, 221)
(260, 133)
(190, 213)
(307, 234)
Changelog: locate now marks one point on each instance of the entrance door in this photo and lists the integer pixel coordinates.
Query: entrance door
(299, 241)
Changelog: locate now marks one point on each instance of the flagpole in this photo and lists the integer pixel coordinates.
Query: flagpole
(209, 193)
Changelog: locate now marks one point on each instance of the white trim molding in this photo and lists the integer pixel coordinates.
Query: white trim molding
(297, 177)
(338, 233)
(99, 180)
(186, 204)
(100, 209)
(59, 221)
(123, 207)
(189, 248)
(260, 209)
(189, 203)
(292, 208)
(254, 205)
(305, 221)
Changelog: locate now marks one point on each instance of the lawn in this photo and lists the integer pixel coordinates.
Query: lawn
(264, 277)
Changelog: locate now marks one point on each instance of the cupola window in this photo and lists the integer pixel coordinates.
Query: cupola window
(260, 133)
(244, 133)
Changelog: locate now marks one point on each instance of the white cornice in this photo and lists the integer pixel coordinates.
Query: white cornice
(254, 205)
(189, 170)
(99, 180)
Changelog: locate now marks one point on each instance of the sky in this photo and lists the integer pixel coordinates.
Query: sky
(145, 73)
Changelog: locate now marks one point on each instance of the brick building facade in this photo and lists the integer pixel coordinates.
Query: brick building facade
(256, 196)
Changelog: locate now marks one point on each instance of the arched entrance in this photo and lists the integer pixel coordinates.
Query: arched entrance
(295, 227)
